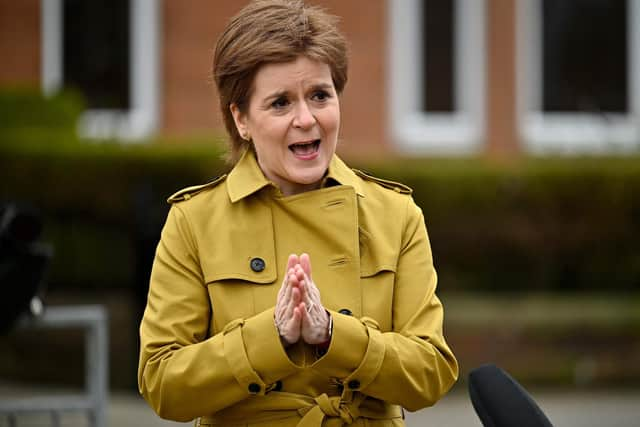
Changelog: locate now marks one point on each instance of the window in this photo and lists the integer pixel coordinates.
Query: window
(108, 50)
(437, 68)
(578, 75)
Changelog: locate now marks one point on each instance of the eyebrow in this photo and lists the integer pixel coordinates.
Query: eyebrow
(322, 86)
(280, 93)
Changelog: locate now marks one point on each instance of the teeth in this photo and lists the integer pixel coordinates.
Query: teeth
(305, 148)
(305, 143)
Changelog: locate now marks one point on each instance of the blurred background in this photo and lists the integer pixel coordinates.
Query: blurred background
(516, 122)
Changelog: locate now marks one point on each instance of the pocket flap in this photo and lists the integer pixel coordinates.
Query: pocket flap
(257, 268)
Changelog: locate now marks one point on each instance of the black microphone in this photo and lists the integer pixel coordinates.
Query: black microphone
(24, 261)
(500, 401)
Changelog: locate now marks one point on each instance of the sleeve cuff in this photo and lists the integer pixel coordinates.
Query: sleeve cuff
(253, 350)
(372, 360)
(355, 353)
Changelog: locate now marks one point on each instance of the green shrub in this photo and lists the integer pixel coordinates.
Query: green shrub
(30, 118)
(538, 224)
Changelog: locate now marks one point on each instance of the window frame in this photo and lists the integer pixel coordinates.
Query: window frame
(417, 131)
(571, 133)
(141, 119)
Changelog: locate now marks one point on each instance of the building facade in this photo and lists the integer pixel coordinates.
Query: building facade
(427, 77)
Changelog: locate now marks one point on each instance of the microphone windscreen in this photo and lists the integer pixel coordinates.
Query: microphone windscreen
(500, 401)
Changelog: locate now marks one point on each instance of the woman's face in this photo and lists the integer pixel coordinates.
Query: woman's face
(293, 118)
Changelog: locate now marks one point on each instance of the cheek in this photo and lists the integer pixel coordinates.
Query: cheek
(269, 140)
(330, 120)
(267, 132)
(274, 130)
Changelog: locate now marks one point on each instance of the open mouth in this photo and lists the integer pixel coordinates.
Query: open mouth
(305, 148)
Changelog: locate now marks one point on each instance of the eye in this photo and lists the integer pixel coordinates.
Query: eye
(321, 95)
(280, 103)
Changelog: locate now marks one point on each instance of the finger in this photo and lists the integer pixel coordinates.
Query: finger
(286, 282)
(296, 295)
(280, 303)
(301, 285)
(290, 300)
(307, 294)
(282, 287)
(284, 295)
(291, 329)
(302, 274)
(314, 318)
(292, 261)
(299, 273)
(311, 292)
(306, 320)
(281, 309)
(312, 289)
(305, 262)
(310, 306)
(291, 283)
(297, 317)
(313, 329)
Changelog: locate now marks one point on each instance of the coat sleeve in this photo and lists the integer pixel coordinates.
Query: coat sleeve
(411, 365)
(183, 373)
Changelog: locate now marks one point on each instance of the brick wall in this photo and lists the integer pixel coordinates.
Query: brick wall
(189, 104)
(20, 42)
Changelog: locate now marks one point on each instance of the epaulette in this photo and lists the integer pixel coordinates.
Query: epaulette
(187, 193)
(392, 185)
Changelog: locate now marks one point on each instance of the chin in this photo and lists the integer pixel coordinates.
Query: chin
(309, 177)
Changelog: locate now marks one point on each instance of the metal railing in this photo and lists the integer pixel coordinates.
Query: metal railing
(93, 319)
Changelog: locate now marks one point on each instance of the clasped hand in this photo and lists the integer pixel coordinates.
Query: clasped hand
(299, 312)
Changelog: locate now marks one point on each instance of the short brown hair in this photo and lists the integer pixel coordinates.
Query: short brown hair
(272, 31)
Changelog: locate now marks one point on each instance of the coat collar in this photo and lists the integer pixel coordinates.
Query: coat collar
(247, 178)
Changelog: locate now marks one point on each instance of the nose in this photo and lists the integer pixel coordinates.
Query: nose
(304, 118)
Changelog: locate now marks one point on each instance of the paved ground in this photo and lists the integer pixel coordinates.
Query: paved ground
(564, 408)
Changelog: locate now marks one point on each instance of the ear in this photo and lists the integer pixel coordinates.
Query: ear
(240, 120)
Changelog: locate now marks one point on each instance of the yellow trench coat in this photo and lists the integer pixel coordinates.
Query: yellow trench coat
(209, 347)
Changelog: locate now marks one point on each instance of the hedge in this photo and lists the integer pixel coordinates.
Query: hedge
(535, 224)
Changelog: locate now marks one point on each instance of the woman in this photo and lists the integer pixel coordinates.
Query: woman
(239, 328)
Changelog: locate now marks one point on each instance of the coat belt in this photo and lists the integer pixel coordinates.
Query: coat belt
(335, 410)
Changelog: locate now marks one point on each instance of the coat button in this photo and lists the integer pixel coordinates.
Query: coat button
(354, 384)
(257, 264)
(345, 311)
(254, 388)
(277, 386)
